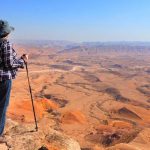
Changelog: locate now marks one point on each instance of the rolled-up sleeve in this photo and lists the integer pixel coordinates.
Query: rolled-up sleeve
(10, 59)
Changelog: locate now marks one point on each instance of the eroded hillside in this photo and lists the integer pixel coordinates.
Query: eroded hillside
(99, 96)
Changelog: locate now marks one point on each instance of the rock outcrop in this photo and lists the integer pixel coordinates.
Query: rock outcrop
(23, 137)
(141, 142)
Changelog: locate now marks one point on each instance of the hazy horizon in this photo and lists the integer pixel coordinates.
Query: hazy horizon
(62, 40)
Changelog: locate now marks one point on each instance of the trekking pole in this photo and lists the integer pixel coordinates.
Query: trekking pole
(36, 126)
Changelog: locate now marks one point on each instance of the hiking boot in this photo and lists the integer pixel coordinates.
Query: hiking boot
(2, 140)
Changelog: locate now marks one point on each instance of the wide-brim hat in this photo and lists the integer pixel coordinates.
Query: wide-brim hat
(5, 28)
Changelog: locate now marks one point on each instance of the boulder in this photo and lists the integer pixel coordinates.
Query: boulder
(23, 137)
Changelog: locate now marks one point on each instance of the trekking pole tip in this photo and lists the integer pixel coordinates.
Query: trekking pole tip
(36, 129)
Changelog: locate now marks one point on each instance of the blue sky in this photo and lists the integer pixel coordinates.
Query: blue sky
(78, 20)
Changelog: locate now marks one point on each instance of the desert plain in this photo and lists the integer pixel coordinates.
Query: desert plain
(96, 93)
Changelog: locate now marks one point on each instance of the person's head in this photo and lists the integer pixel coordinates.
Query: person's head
(5, 29)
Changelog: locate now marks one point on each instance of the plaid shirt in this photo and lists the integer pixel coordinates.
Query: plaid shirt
(9, 63)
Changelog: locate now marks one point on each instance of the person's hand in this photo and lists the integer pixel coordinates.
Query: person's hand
(25, 57)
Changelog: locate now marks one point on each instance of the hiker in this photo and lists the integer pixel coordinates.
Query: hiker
(9, 64)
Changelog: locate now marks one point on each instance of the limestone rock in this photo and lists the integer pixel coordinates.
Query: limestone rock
(3, 147)
(22, 137)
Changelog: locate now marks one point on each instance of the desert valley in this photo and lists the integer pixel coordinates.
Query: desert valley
(96, 93)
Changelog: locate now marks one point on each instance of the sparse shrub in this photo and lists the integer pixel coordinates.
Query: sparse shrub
(105, 122)
(43, 148)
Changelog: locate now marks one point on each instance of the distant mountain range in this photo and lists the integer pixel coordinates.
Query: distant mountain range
(67, 46)
(66, 43)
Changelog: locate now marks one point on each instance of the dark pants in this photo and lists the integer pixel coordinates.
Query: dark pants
(5, 88)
